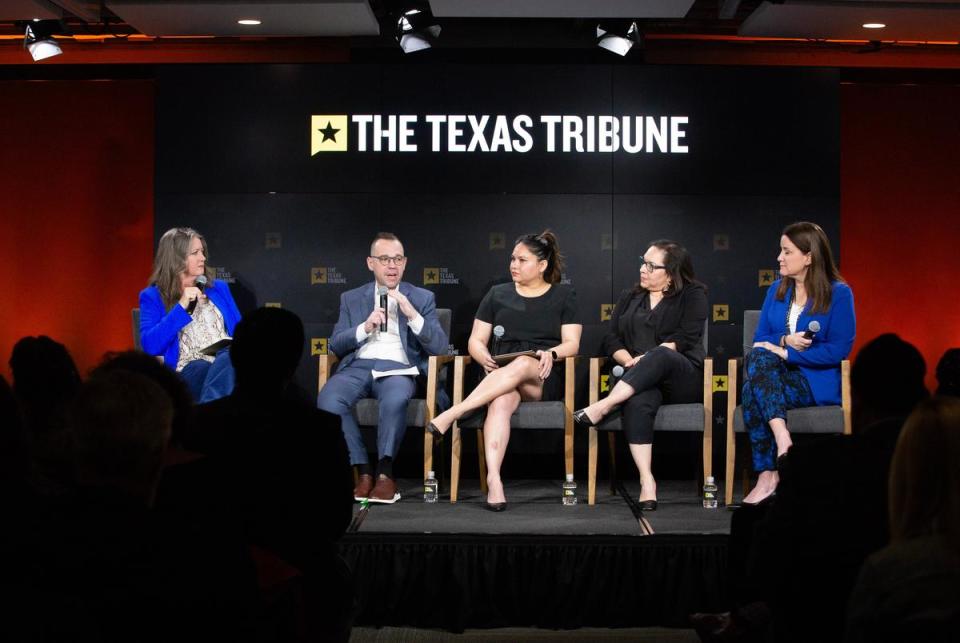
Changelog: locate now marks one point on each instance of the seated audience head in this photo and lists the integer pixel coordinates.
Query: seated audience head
(948, 373)
(666, 267)
(535, 254)
(267, 346)
(181, 254)
(45, 379)
(805, 255)
(886, 380)
(12, 453)
(924, 476)
(121, 426)
(386, 260)
(174, 386)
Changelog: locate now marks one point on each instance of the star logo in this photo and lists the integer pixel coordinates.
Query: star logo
(720, 350)
(606, 312)
(721, 312)
(272, 304)
(498, 241)
(604, 383)
(766, 277)
(328, 133)
(431, 276)
(720, 420)
(607, 241)
(273, 241)
(721, 242)
(318, 346)
(720, 384)
(318, 276)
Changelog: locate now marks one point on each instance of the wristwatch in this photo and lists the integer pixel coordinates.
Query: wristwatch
(555, 356)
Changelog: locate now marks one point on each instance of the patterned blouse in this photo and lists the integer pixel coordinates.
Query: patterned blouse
(205, 329)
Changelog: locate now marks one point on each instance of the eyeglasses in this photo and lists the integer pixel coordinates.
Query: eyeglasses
(650, 266)
(385, 260)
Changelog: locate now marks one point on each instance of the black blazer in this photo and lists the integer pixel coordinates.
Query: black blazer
(678, 318)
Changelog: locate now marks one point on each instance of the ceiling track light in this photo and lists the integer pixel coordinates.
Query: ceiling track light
(38, 38)
(416, 28)
(618, 36)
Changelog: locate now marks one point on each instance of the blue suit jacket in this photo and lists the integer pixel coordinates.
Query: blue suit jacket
(160, 328)
(820, 363)
(357, 304)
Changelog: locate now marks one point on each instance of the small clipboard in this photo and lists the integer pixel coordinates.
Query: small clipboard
(215, 347)
(506, 358)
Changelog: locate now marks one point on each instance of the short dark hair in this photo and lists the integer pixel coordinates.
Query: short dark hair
(383, 236)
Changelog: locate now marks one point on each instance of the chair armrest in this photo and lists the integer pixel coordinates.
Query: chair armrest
(845, 396)
(326, 365)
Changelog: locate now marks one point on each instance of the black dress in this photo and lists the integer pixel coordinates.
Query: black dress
(663, 375)
(531, 323)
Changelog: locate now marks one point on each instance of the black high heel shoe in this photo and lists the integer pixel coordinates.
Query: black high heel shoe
(582, 420)
(496, 506)
(435, 432)
(648, 505)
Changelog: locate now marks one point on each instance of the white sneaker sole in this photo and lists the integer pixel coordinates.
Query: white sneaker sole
(396, 497)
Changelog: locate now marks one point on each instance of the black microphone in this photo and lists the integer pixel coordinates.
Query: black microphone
(497, 336)
(812, 329)
(200, 283)
(382, 291)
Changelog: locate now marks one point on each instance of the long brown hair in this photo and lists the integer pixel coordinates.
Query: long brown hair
(545, 247)
(810, 239)
(924, 476)
(171, 260)
(678, 264)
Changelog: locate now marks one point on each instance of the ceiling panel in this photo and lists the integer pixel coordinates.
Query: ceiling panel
(560, 8)
(328, 18)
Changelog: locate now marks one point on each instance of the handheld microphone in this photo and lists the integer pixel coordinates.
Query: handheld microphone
(812, 329)
(617, 371)
(382, 291)
(497, 336)
(200, 283)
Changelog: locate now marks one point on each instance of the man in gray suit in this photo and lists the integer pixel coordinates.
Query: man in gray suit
(384, 364)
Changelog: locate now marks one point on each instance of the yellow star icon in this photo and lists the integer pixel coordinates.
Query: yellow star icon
(318, 276)
(766, 277)
(721, 312)
(604, 383)
(720, 384)
(318, 346)
(431, 276)
(328, 133)
(606, 311)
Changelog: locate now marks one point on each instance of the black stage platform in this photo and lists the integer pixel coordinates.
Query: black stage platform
(539, 563)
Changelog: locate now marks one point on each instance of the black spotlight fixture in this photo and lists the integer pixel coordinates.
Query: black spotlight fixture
(38, 38)
(617, 36)
(416, 28)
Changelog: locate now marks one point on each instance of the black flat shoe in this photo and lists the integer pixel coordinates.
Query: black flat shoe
(435, 432)
(648, 505)
(496, 506)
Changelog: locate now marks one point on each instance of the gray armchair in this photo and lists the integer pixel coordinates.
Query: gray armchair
(555, 415)
(695, 417)
(810, 419)
(420, 412)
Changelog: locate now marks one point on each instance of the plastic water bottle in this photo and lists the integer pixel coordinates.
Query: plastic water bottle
(430, 488)
(569, 490)
(710, 494)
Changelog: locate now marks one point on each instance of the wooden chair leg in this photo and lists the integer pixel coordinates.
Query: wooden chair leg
(612, 450)
(483, 461)
(729, 471)
(592, 467)
(427, 453)
(455, 463)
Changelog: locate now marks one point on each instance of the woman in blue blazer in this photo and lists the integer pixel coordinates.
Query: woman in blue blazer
(179, 318)
(786, 369)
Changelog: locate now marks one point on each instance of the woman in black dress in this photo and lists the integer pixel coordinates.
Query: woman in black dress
(536, 313)
(656, 334)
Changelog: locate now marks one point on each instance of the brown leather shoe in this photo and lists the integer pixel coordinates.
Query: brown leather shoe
(363, 488)
(385, 491)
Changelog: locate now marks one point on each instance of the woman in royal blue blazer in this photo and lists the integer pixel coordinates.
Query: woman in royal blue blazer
(786, 369)
(178, 319)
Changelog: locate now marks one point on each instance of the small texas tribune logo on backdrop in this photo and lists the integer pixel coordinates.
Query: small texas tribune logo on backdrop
(328, 133)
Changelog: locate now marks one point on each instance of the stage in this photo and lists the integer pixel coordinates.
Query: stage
(539, 563)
